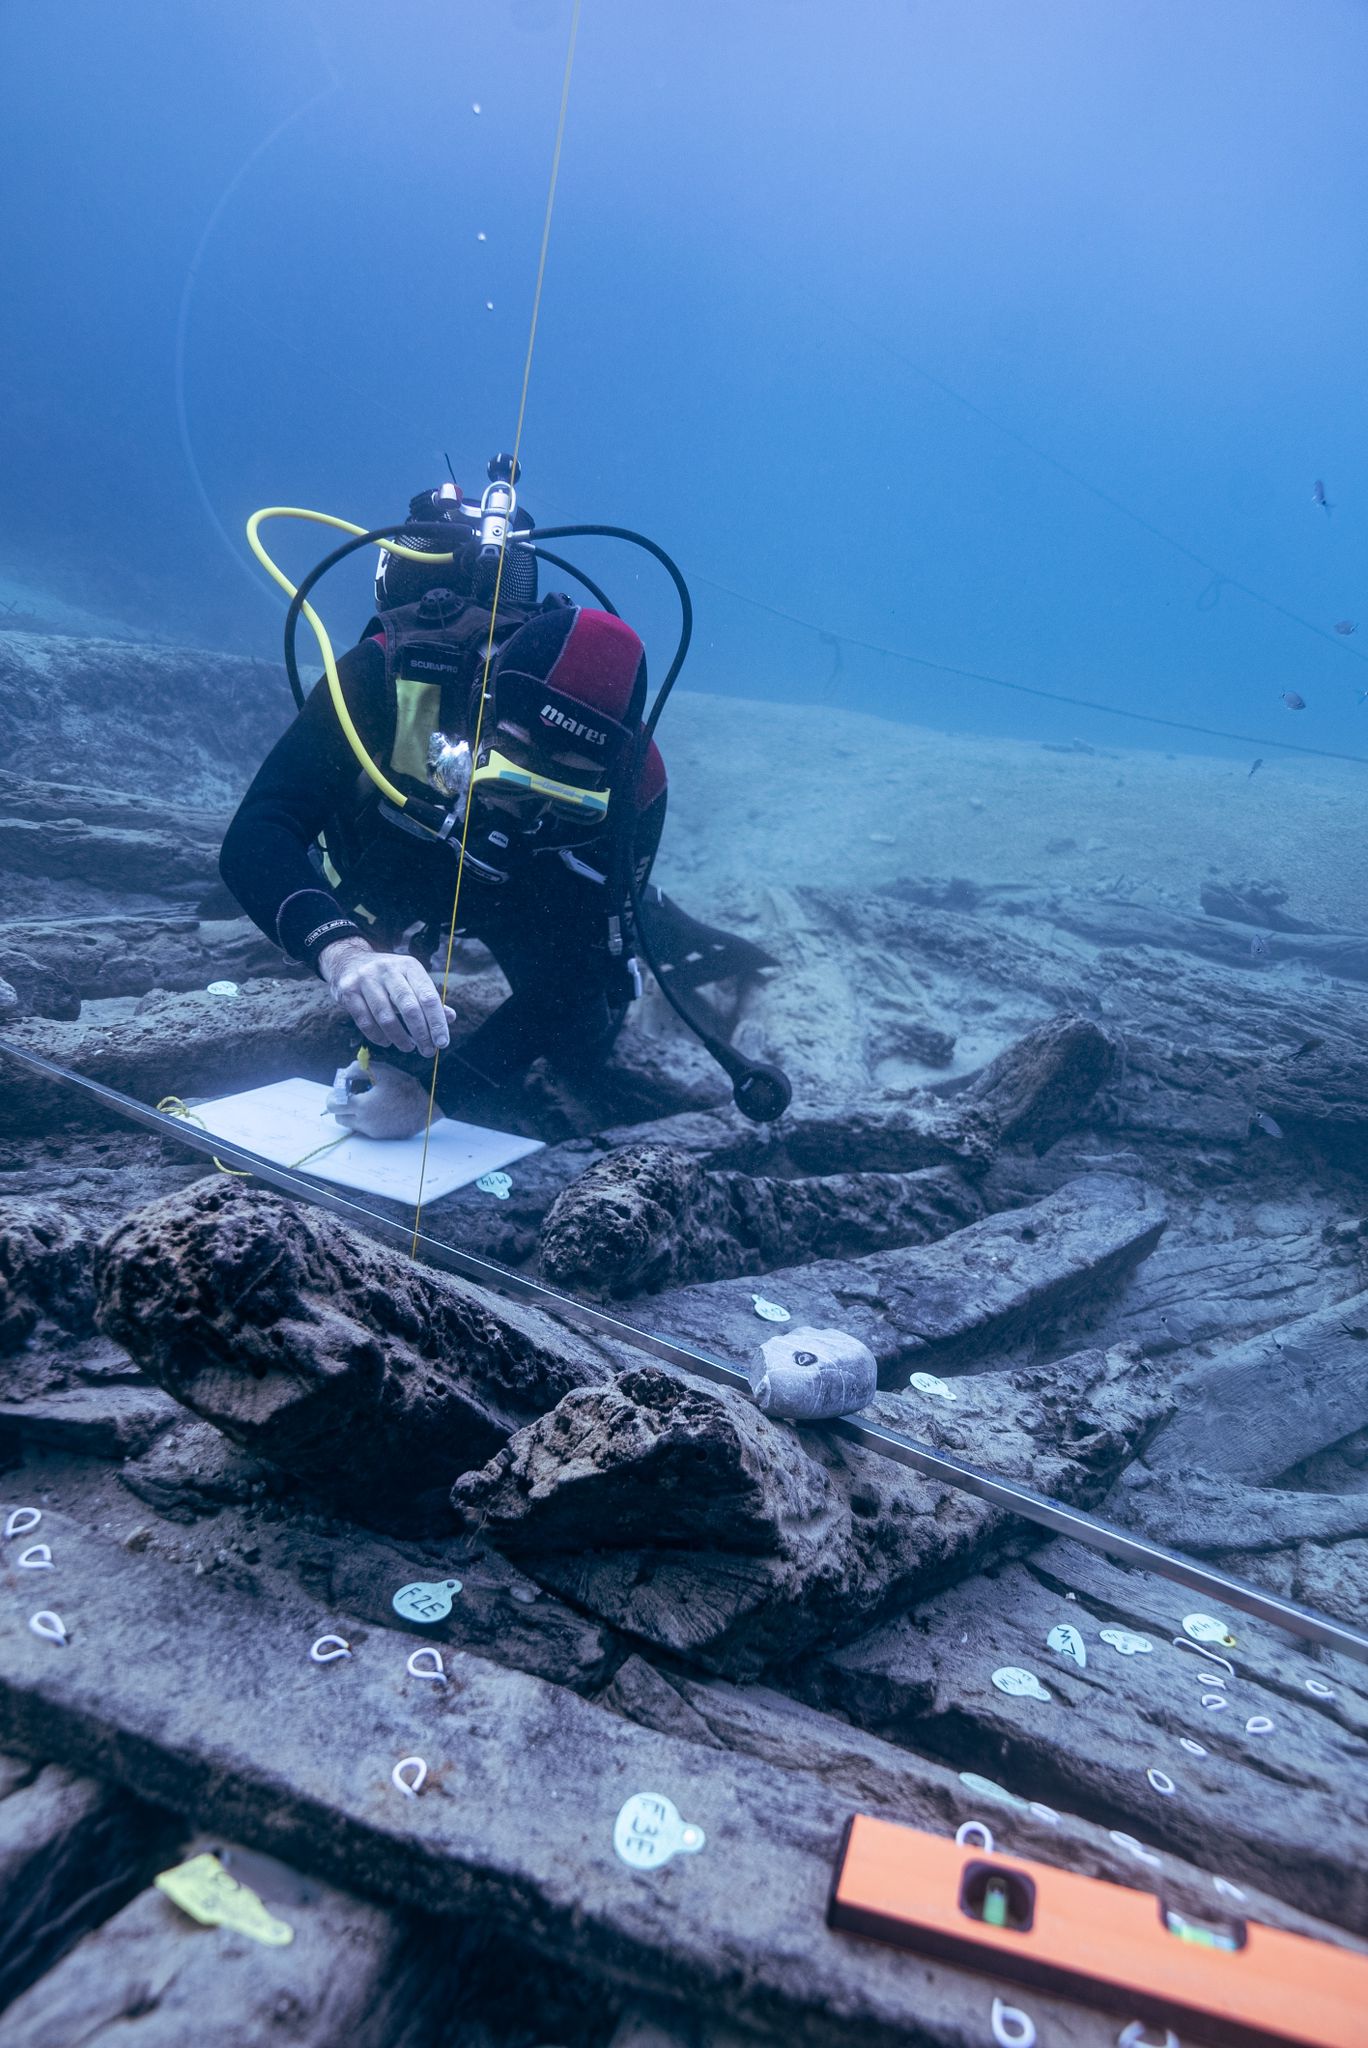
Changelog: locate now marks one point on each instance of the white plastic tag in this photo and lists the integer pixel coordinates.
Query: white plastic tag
(927, 1383)
(426, 1599)
(1066, 1641)
(1020, 1684)
(427, 1663)
(409, 1776)
(1126, 1643)
(650, 1829)
(1204, 1628)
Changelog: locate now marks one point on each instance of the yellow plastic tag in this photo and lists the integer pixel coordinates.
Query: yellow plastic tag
(203, 1889)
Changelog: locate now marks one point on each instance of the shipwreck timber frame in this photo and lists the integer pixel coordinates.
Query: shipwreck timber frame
(1006, 1494)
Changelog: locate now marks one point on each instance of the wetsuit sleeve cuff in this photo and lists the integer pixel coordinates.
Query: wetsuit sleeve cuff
(309, 921)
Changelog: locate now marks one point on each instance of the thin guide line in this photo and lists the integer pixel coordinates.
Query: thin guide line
(498, 587)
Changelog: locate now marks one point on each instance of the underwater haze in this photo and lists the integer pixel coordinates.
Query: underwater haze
(579, 1295)
(1010, 339)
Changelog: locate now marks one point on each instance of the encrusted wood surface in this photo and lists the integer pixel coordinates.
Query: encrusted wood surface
(353, 1973)
(686, 1517)
(312, 1346)
(71, 1851)
(515, 1821)
(939, 1306)
(1284, 1807)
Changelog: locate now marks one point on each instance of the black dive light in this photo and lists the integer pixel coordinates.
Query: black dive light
(762, 1092)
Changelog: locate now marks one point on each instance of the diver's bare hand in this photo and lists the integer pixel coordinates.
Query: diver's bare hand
(390, 997)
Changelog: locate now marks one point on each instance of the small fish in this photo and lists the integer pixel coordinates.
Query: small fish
(1261, 1121)
(1355, 1330)
(1258, 945)
(1308, 1045)
(1255, 769)
(1346, 626)
(1293, 701)
(1318, 496)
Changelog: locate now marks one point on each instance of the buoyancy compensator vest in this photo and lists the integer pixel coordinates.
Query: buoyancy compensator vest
(435, 654)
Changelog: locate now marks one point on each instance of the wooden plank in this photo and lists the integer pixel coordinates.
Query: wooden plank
(191, 1694)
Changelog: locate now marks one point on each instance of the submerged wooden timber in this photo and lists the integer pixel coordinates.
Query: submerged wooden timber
(246, 1427)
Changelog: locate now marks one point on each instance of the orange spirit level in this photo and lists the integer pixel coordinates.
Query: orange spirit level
(1233, 1983)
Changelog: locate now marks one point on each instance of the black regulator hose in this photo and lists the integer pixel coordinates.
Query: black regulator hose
(760, 1091)
(432, 529)
(320, 570)
(638, 540)
(601, 598)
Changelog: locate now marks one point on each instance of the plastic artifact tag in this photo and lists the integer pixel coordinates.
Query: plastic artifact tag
(1012, 2028)
(927, 1383)
(49, 1625)
(974, 1834)
(203, 1889)
(1208, 1656)
(1136, 1849)
(222, 988)
(37, 1558)
(1020, 1684)
(424, 1600)
(986, 1788)
(409, 1776)
(1066, 1641)
(328, 1649)
(770, 1311)
(20, 1520)
(497, 1184)
(427, 1663)
(1204, 1628)
(650, 1829)
(1126, 1643)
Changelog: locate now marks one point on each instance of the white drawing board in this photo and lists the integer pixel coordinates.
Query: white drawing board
(288, 1120)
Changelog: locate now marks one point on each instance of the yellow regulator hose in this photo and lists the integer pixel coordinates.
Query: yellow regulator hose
(325, 647)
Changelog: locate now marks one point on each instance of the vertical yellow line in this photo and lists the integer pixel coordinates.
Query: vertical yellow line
(498, 585)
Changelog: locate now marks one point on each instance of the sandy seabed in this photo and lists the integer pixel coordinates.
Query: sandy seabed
(769, 792)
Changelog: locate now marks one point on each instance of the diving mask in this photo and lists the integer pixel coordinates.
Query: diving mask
(501, 777)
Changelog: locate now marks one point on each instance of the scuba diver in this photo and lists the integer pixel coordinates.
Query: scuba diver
(477, 733)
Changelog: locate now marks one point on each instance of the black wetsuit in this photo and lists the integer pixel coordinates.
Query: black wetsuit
(546, 923)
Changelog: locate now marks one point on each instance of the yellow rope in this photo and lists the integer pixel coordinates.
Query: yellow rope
(171, 1105)
(498, 584)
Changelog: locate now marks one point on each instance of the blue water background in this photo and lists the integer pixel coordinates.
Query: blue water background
(908, 320)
